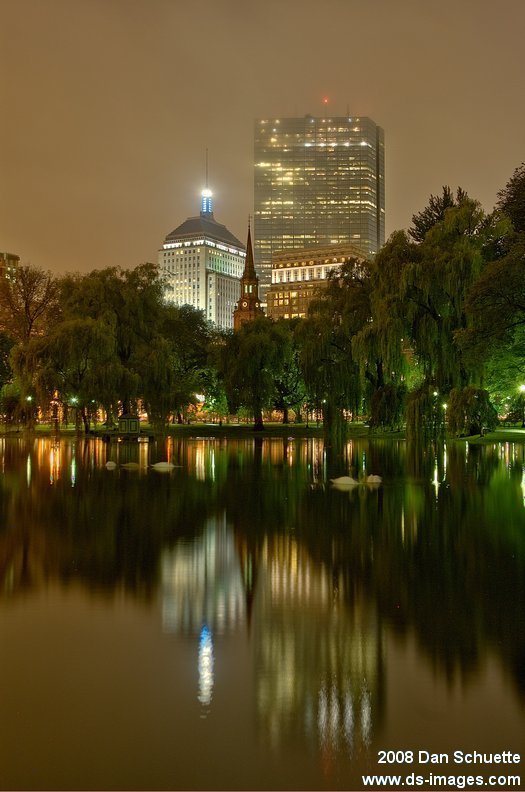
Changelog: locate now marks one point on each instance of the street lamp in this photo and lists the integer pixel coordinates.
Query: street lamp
(522, 391)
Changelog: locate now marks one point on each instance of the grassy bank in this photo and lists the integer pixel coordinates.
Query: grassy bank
(502, 434)
(231, 431)
(227, 431)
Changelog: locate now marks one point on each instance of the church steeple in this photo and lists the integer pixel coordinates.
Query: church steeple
(249, 305)
(249, 273)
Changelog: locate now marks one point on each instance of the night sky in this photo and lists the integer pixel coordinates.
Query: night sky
(107, 108)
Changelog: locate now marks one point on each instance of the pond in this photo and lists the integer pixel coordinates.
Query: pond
(240, 623)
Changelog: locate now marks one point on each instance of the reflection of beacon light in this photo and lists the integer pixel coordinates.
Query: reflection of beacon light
(205, 666)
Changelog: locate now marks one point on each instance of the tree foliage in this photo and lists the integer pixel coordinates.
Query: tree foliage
(74, 358)
(127, 302)
(331, 372)
(511, 199)
(496, 302)
(172, 369)
(28, 302)
(249, 362)
(6, 371)
(434, 212)
(470, 411)
(290, 389)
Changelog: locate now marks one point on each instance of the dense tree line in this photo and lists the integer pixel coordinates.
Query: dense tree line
(431, 332)
(104, 340)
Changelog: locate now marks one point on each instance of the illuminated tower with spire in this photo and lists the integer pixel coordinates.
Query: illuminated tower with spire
(249, 306)
(201, 263)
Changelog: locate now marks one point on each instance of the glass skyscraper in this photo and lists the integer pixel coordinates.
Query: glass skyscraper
(318, 181)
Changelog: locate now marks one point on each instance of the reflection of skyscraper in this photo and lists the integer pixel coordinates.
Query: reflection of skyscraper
(202, 584)
(203, 595)
(319, 659)
(318, 181)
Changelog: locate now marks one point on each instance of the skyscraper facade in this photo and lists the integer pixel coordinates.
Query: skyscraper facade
(201, 263)
(318, 181)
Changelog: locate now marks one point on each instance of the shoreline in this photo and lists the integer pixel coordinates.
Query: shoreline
(270, 431)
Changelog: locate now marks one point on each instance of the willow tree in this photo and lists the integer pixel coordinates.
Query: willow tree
(75, 358)
(172, 368)
(290, 389)
(495, 304)
(129, 303)
(382, 344)
(430, 302)
(248, 362)
(331, 373)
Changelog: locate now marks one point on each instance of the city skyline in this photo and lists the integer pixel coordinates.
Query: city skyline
(108, 113)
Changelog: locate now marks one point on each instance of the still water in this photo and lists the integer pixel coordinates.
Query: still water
(239, 623)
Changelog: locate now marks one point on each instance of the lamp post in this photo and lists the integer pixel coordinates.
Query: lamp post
(522, 391)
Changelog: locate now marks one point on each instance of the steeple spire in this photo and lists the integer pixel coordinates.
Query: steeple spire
(249, 273)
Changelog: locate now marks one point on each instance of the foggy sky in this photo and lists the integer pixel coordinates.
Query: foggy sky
(107, 108)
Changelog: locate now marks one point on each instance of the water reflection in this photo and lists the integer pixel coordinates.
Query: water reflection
(319, 659)
(205, 666)
(202, 584)
(245, 538)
